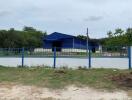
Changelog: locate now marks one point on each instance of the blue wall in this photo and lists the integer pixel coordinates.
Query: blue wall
(67, 43)
(47, 44)
(79, 44)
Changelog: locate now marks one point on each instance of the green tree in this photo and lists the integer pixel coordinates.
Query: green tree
(129, 36)
(82, 37)
(28, 37)
(29, 29)
(118, 32)
(110, 34)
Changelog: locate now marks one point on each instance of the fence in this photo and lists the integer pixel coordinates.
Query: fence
(103, 52)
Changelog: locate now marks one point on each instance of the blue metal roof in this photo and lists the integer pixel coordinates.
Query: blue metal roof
(58, 36)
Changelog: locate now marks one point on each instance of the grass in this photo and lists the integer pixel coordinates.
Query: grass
(51, 78)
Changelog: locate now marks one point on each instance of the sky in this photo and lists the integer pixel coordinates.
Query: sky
(67, 16)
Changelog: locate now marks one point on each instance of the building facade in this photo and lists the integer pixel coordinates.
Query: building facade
(60, 40)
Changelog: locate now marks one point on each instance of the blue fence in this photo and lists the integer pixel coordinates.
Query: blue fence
(130, 56)
(103, 51)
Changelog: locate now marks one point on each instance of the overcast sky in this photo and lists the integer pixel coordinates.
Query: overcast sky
(67, 16)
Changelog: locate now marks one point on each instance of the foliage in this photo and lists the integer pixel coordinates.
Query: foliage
(118, 38)
(28, 37)
(82, 37)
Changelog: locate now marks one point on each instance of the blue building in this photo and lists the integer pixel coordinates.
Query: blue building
(60, 40)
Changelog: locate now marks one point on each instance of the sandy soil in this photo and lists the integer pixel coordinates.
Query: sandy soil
(20, 92)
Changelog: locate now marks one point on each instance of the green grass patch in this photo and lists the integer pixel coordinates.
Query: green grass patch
(52, 78)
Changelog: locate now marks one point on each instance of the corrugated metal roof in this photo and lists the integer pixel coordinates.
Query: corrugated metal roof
(58, 36)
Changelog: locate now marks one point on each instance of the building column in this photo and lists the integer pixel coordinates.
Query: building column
(100, 48)
(80, 45)
(73, 43)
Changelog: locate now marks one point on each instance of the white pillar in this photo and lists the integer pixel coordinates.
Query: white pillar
(100, 48)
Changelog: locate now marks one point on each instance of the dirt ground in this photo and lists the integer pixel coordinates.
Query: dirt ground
(20, 92)
(124, 80)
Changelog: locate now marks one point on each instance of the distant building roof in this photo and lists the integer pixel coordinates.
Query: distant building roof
(58, 36)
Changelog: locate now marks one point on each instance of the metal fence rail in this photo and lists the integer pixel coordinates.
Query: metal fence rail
(112, 51)
(104, 51)
(10, 52)
(116, 51)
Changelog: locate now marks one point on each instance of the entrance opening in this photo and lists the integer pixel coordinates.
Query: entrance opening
(58, 45)
(93, 50)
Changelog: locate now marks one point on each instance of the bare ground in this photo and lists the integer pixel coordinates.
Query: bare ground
(20, 92)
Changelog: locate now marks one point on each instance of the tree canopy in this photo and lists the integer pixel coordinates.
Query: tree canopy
(118, 38)
(28, 37)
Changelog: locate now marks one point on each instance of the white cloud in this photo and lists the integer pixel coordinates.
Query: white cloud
(4, 13)
(93, 18)
(68, 16)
